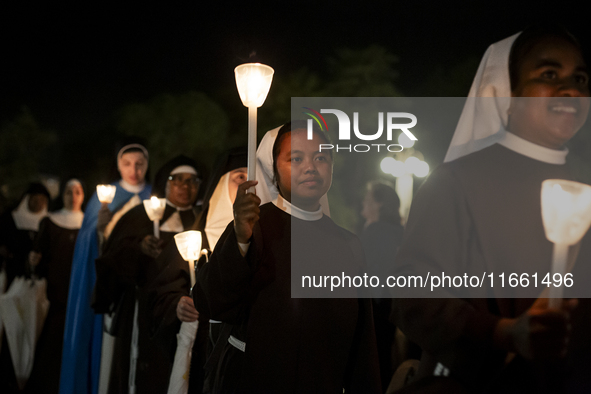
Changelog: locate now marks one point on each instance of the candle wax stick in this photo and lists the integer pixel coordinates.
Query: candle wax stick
(252, 145)
(192, 271)
(559, 257)
(157, 228)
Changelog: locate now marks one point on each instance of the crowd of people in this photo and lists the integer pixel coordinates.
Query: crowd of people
(121, 296)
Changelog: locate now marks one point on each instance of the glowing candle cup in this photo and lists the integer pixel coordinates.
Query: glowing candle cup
(155, 209)
(189, 245)
(253, 81)
(566, 214)
(105, 193)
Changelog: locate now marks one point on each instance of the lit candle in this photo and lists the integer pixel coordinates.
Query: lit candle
(566, 214)
(253, 81)
(155, 209)
(105, 193)
(189, 245)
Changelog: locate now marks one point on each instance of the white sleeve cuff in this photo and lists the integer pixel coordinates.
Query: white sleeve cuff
(243, 248)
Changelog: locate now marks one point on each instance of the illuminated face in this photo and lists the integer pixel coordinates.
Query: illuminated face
(304, 174)
(182, 189)
(554, 69)
(132, 167)
(73, 197)
(237, 177)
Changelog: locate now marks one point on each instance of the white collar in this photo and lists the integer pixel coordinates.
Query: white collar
(178, 208)
(297, 212)
(67, 219)
(533, 151)
(135, 189)
(25, 219)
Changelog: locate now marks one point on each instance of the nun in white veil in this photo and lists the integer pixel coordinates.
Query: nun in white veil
(480, 212)
(266, 189)
(269, 341)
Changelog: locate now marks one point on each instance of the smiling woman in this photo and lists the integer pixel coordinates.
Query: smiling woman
(480, 212)
(549, 66)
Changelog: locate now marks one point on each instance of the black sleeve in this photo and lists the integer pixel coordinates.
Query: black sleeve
(436, 239)
(119, 268)
(165, 290)
(41, 244)
(225, 282)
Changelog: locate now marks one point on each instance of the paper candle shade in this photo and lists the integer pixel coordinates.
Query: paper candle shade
(253, 81)
(155, 207)
(189, 244)
(566, 210)
(106, 193)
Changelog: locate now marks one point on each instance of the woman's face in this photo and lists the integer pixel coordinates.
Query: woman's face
(304, 174)
(73, 197)
(132, 167)
(554, 69)
(182, 189)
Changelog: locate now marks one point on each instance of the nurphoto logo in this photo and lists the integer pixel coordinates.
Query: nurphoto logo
(344, 131)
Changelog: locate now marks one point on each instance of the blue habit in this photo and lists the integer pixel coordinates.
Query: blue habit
(83, 333)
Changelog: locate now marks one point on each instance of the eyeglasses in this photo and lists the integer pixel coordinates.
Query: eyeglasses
(177, 180)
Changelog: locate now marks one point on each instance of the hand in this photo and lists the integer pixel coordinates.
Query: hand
(34, 258)
(185, 310)
(104, 217)
(150, 246)
(540, 333)
(246, 212)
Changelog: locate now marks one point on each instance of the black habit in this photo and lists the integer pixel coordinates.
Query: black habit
(122, 273)
(292, 345)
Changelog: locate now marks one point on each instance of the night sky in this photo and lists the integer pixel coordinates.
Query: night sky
(73, 66)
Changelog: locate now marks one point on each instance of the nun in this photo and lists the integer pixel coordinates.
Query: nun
(18, 229)
(269, 341)
(83, 333)
(51, 258)
(169, 295)
(480, 212)
(128, 263)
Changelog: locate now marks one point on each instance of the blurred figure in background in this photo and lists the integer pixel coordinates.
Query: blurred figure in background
(18, 229)
(83, 333)
(128, 264)
(381, 237)
(51, 258)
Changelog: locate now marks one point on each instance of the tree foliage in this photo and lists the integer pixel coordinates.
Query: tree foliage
(24, 148)
(190, 124)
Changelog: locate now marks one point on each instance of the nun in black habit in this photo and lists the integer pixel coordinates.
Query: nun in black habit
(481, 211)
(51, 256)
(18, 228)
(169, 298)
(128, 263)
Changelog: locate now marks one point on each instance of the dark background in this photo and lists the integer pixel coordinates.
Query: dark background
(74, 66)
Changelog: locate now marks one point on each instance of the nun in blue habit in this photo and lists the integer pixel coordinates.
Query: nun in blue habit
(83, 334)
